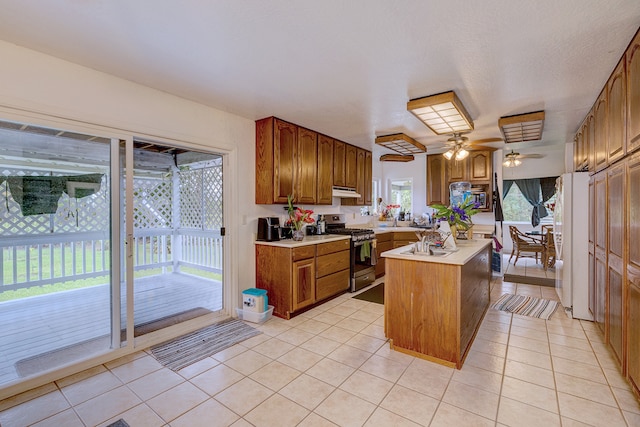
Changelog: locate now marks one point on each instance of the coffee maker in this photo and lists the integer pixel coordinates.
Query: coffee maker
(268, 229)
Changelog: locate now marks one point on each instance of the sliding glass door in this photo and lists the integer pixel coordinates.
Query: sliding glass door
(55, 248)
(177, 243)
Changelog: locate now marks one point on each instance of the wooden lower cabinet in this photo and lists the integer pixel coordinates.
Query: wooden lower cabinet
(332, 269)
(384, 243)
(303, 286)
(404, 238)
(297, 278)
(391, 240)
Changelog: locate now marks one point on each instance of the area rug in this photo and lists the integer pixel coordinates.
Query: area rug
(375, 294)
(198, 345)
(526, 306)
(529, 280)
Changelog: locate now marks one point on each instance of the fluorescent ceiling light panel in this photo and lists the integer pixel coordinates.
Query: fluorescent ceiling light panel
(401, 143)
(396, 158)
(442, 113)
(522, 127)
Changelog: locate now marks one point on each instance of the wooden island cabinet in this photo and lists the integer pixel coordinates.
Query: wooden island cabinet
(434, 305)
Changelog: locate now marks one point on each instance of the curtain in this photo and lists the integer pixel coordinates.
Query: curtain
(506, 186)
(530, 189)
(548, 187)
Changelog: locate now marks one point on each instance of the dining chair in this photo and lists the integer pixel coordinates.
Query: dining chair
(524, 246)
(549, 250)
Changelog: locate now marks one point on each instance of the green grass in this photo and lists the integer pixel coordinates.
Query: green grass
(21, 257)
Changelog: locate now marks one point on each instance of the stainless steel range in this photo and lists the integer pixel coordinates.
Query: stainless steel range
(363, 250)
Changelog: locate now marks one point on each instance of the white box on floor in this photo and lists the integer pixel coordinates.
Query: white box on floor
(252, 316)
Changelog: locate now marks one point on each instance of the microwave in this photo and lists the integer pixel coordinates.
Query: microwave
(481, 198)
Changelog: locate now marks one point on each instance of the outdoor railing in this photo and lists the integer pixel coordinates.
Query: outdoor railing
(27, 261)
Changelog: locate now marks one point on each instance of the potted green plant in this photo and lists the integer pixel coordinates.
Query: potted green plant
(458, 215)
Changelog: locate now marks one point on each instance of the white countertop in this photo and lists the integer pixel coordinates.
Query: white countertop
(308, 240)
(467, 249)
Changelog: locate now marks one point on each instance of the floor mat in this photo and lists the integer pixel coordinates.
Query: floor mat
(526, 306)
(375, 294)
(198, 345)
(529, 280)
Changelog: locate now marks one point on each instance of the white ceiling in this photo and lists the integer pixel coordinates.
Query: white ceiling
(347, 68)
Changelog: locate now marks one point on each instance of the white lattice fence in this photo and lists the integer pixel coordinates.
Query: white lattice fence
(201, 198)
(152, 203)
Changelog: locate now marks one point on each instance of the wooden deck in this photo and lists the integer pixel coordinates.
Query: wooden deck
(36, 325)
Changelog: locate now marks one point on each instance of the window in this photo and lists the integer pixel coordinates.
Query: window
(402, 194)
(516, 208)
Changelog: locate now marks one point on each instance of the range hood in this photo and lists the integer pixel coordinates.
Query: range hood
(345, 193)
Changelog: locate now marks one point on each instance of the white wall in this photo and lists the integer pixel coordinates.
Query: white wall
(40, 89)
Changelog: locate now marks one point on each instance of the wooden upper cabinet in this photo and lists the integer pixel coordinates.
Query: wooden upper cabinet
(633, 94)
(276, 160)
(600, 131)
(285, 141)
(437, 184)
(351, 172)
(368, 178)
(480, 166)
(458, 170)
(577, 149)
(616, 114)
(307, 173)
(339, 165)
(589, 139)
(325, 170)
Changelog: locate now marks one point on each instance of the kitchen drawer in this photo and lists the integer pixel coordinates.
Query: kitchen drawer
(332, 284)
(327, 248)
(303, 252)
(331, 263)
(401, 243)
(384, 237)
(405, 235)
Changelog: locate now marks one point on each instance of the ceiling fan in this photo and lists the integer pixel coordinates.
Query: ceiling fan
(512, 159)
(459, 144)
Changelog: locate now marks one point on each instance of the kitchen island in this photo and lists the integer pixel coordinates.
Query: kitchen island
(434, 304)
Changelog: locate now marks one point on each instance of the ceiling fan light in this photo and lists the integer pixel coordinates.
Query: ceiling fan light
(511, 162)
(448, 155)
(461, 154)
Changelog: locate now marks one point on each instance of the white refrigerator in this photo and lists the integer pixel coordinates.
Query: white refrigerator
(570, 231)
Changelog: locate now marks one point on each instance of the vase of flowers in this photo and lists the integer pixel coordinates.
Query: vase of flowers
(298, 218)
(387, 212)
(457, 215)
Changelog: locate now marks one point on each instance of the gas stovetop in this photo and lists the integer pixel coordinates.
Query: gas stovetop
(357, 234)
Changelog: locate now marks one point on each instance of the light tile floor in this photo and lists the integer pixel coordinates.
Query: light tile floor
(333, 366)
(528, 267)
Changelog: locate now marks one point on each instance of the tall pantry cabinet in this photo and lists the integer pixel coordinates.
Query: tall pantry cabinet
(608, 146)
